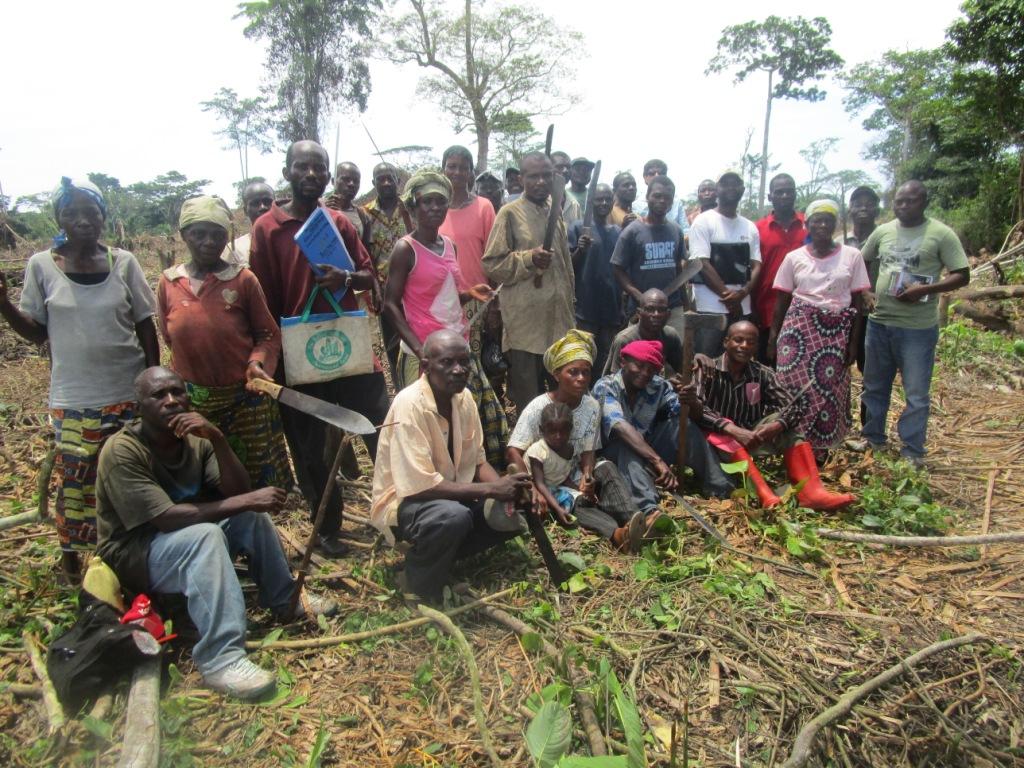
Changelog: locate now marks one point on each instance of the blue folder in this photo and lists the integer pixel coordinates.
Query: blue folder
(321, 243)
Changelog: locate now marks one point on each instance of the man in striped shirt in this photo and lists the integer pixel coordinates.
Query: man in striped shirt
(744, 409)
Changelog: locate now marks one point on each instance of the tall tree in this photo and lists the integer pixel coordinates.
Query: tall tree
(901, 91)
(245, 125)
(988, 46)
(486, 64)
(514, 135)
(316, 58)
(790, 51)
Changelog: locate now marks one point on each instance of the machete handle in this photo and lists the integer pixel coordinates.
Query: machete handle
(271, 388)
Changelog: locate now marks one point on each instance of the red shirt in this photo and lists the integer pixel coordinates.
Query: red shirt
(214, 335)
(285, 274)
(776, 242)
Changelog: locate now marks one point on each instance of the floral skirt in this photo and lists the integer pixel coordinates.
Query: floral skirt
(252, 425)
(812, 348)
(79, 435)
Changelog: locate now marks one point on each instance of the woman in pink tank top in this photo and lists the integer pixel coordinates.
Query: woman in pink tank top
(425, 292)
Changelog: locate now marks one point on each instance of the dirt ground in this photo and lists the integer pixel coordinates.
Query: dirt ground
(749, 650)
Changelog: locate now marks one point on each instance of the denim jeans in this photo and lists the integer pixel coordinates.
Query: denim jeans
(664, 439)
(911, 352)
(196, 561)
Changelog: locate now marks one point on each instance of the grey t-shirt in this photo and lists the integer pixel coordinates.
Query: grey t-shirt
(95, 352)
(651, 255)
(133, 487)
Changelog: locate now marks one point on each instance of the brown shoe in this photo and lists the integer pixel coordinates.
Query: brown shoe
(649, 533)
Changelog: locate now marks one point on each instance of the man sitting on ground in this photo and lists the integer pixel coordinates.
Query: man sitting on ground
(744, 409)
(431, 482)
(174, 509)
(653, 313)
(640, 428)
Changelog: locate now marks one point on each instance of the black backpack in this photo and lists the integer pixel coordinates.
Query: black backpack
(97, 652)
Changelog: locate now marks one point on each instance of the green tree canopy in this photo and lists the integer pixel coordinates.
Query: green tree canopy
(793, 52)
(486, 65)
(245, 125)
(316, 58)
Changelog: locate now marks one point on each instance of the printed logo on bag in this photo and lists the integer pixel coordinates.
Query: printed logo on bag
(328, 350)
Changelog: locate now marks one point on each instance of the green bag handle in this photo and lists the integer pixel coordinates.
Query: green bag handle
(312, 297)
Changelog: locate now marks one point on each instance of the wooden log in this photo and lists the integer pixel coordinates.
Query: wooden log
(141, 745)
(13, 521)
(994, 321)
(1014, 537)
(996, 293)
(54, 710)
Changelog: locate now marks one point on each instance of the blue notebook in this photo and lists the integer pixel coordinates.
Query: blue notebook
(321, 243)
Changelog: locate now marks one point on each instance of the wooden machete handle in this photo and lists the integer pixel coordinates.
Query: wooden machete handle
(267, 387)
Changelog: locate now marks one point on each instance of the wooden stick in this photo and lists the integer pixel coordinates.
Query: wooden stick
(321, 512)
(922, 541)
(584, 701)
(54, 711)
(43, 482)
(801, 752)
(141, 747)
(390, 629)
(474, 677)
(987, 516)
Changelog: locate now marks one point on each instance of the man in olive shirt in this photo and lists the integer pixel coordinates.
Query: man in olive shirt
(911, 253)
(174, 508)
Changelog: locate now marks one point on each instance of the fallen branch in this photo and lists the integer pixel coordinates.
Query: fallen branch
(13, 521)
(22, 690)
(584, 701)
(354, 637)
(922, 541)
(54, 711)
(801, 752)
(995, 293)
(43, 483)
(474, 677)
(141, 747)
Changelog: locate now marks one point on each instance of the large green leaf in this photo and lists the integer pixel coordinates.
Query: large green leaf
(549, 733)
(609, 761)
(735, 467)
(629, 717)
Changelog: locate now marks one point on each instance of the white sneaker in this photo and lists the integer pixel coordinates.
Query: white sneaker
(242, 679)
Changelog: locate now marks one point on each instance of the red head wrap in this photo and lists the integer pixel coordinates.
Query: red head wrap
(645, 352)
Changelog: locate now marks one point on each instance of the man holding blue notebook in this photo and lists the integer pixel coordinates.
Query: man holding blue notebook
(288, 279)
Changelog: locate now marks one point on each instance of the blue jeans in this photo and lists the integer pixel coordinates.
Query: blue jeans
(911, 352)
(664, 439)
(197, 562)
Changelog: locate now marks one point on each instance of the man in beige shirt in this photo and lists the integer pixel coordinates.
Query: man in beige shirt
(431, 480)
(537, 292)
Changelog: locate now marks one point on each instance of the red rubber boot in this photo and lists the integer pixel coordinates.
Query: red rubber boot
(764, 491)
(801, 465)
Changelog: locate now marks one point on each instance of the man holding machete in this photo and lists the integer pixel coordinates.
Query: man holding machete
(432, 485)
(640, 428)
(287, 279)
(537, 292)
(175, 508)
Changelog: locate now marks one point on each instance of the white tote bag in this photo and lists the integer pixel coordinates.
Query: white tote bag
(327, 346)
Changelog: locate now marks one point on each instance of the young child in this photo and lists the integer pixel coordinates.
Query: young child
(551, 464)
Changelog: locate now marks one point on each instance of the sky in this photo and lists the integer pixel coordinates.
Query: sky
(115, 87)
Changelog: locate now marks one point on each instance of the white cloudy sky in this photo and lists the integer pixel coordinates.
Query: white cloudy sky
(114, 86)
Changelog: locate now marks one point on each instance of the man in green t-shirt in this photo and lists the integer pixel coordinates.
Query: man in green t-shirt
(908, 256)
(174, 508)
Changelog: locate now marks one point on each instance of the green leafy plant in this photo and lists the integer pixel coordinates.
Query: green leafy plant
(896, 499)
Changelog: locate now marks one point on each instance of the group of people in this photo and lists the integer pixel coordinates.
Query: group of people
(171, 473)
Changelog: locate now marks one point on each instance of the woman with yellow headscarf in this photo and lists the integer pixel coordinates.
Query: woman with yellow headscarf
(221, 334)
(425, 292)
(819, 317)
(602, 502)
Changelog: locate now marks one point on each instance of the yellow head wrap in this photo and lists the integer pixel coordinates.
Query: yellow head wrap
(822, 206)
(425, 182)
(575, 345)
(205, 208)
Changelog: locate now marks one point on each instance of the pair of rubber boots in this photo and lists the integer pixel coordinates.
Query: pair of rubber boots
(801, 466)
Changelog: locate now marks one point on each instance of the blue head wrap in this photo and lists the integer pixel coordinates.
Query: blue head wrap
(62, 196)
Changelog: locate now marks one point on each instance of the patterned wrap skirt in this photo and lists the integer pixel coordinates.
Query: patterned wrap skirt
(251, 423)
(812, 347)
(79, 435)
